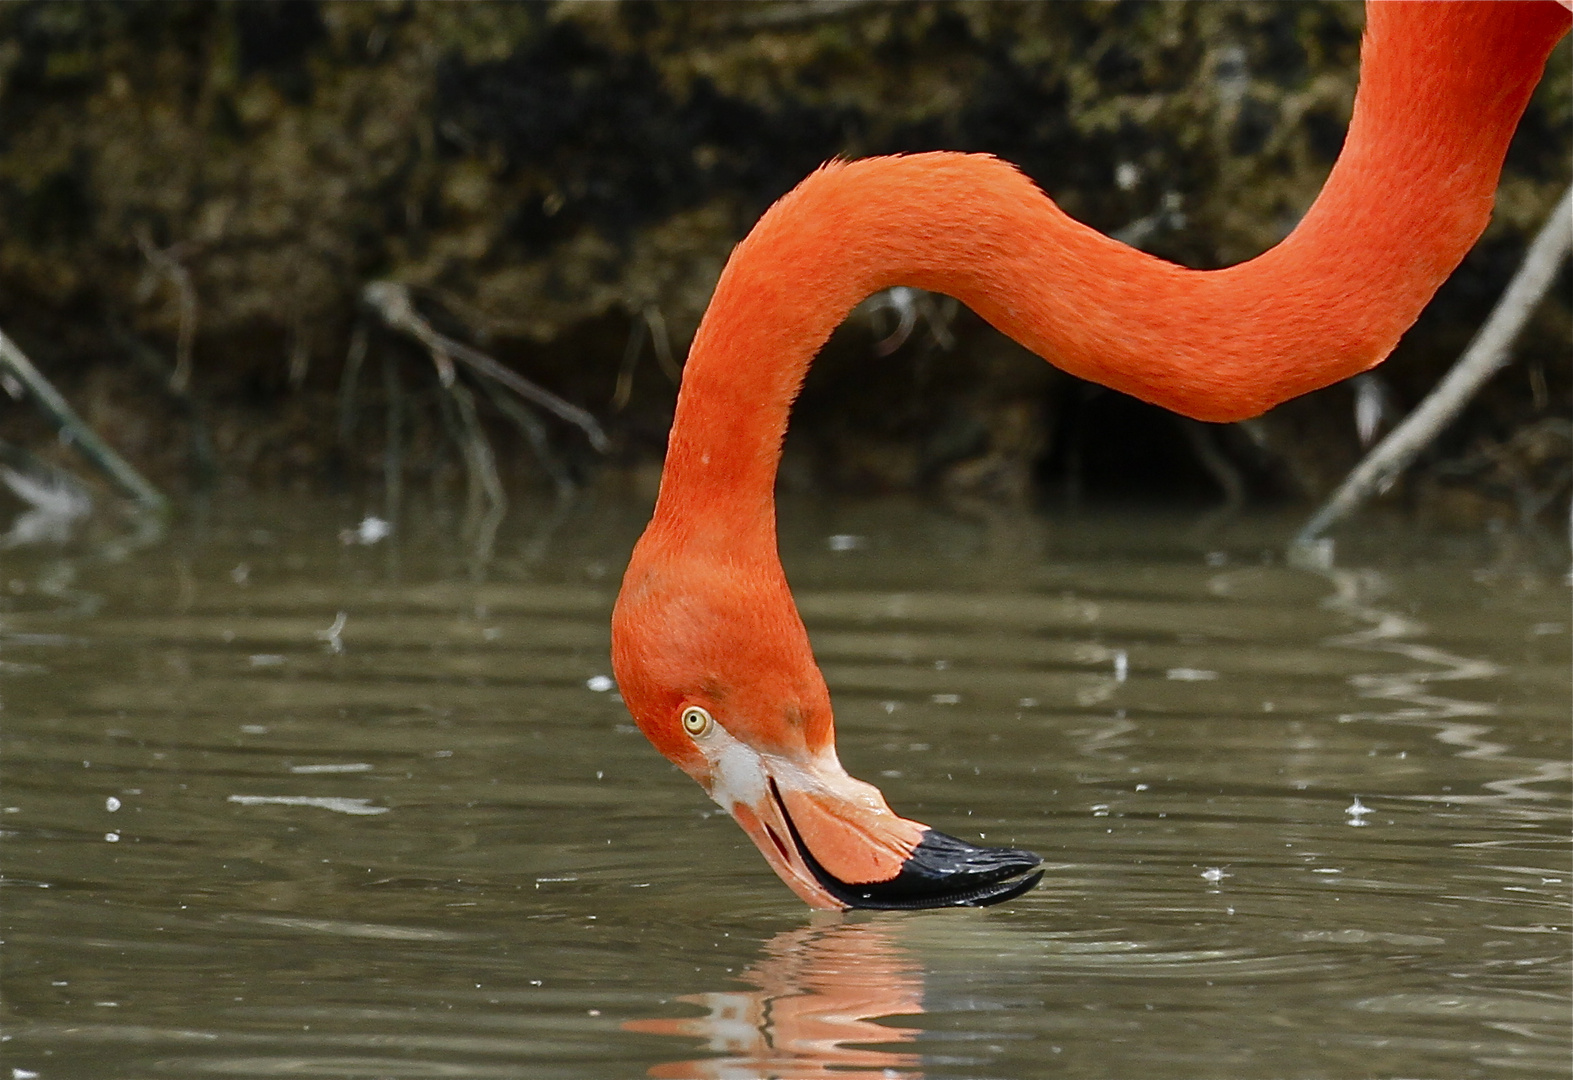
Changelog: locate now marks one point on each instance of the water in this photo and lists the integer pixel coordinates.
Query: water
(277, 802)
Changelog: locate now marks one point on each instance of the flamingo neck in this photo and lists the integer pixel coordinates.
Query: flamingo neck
(1442, 88)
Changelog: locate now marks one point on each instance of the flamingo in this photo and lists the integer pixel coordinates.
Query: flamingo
(708, 649)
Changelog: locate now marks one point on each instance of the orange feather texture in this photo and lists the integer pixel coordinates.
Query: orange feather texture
(706, 617)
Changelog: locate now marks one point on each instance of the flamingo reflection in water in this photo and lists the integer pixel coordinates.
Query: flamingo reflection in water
(819, 990)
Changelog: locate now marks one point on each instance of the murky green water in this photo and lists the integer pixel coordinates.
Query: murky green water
(1308, 824)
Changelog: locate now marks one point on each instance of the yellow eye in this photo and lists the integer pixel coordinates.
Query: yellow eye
(696, 721)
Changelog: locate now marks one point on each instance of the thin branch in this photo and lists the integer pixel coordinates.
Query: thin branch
(903, 300)
(391, 301)
(623, 388)
(166, 264)
(652, 324)
(299, 351)
(1486, 354)
(71, 426)
(794, 14)
(485, 501)
(909, 304)
(478, 450)
(662, 341)
(349, 380)
(393, 447)
(534, 433)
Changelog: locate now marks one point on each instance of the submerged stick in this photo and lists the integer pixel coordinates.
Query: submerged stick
(100, 453)
(1484, 357)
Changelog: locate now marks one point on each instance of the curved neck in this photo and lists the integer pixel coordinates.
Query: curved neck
(1442, 88)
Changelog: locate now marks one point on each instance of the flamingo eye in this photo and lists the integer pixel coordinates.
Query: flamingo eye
(696, 721)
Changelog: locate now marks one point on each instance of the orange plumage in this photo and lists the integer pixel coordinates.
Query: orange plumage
(706, 618)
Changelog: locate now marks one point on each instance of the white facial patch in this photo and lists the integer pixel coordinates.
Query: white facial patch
(737, 771)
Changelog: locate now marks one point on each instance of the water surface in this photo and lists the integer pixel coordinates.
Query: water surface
(277, 802)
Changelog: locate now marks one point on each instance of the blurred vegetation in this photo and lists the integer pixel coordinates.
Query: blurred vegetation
(195, 196)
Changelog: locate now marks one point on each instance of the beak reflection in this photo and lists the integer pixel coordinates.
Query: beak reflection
(817, 992)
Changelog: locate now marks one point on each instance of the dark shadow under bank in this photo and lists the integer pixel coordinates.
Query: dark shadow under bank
(983, 422)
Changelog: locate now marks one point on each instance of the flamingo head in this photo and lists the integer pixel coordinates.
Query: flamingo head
(713, 662)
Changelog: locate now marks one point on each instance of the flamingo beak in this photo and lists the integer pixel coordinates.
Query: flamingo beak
(838, 845)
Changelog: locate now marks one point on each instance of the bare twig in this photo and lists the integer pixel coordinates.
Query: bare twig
(800, 12)
(909, 304)
(662, 341)
(71, 426)
(478, 449)
(534, 433)
(901, 299)
(623, 389)
(391, 301)
(299, 351)
(1486, 354)
(349, 380)
(393, 447)
(651, 323)
(1373, 406)
(485, 501)
(166, 264)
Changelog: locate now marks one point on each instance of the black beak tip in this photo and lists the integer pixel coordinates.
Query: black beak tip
(943, 871)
